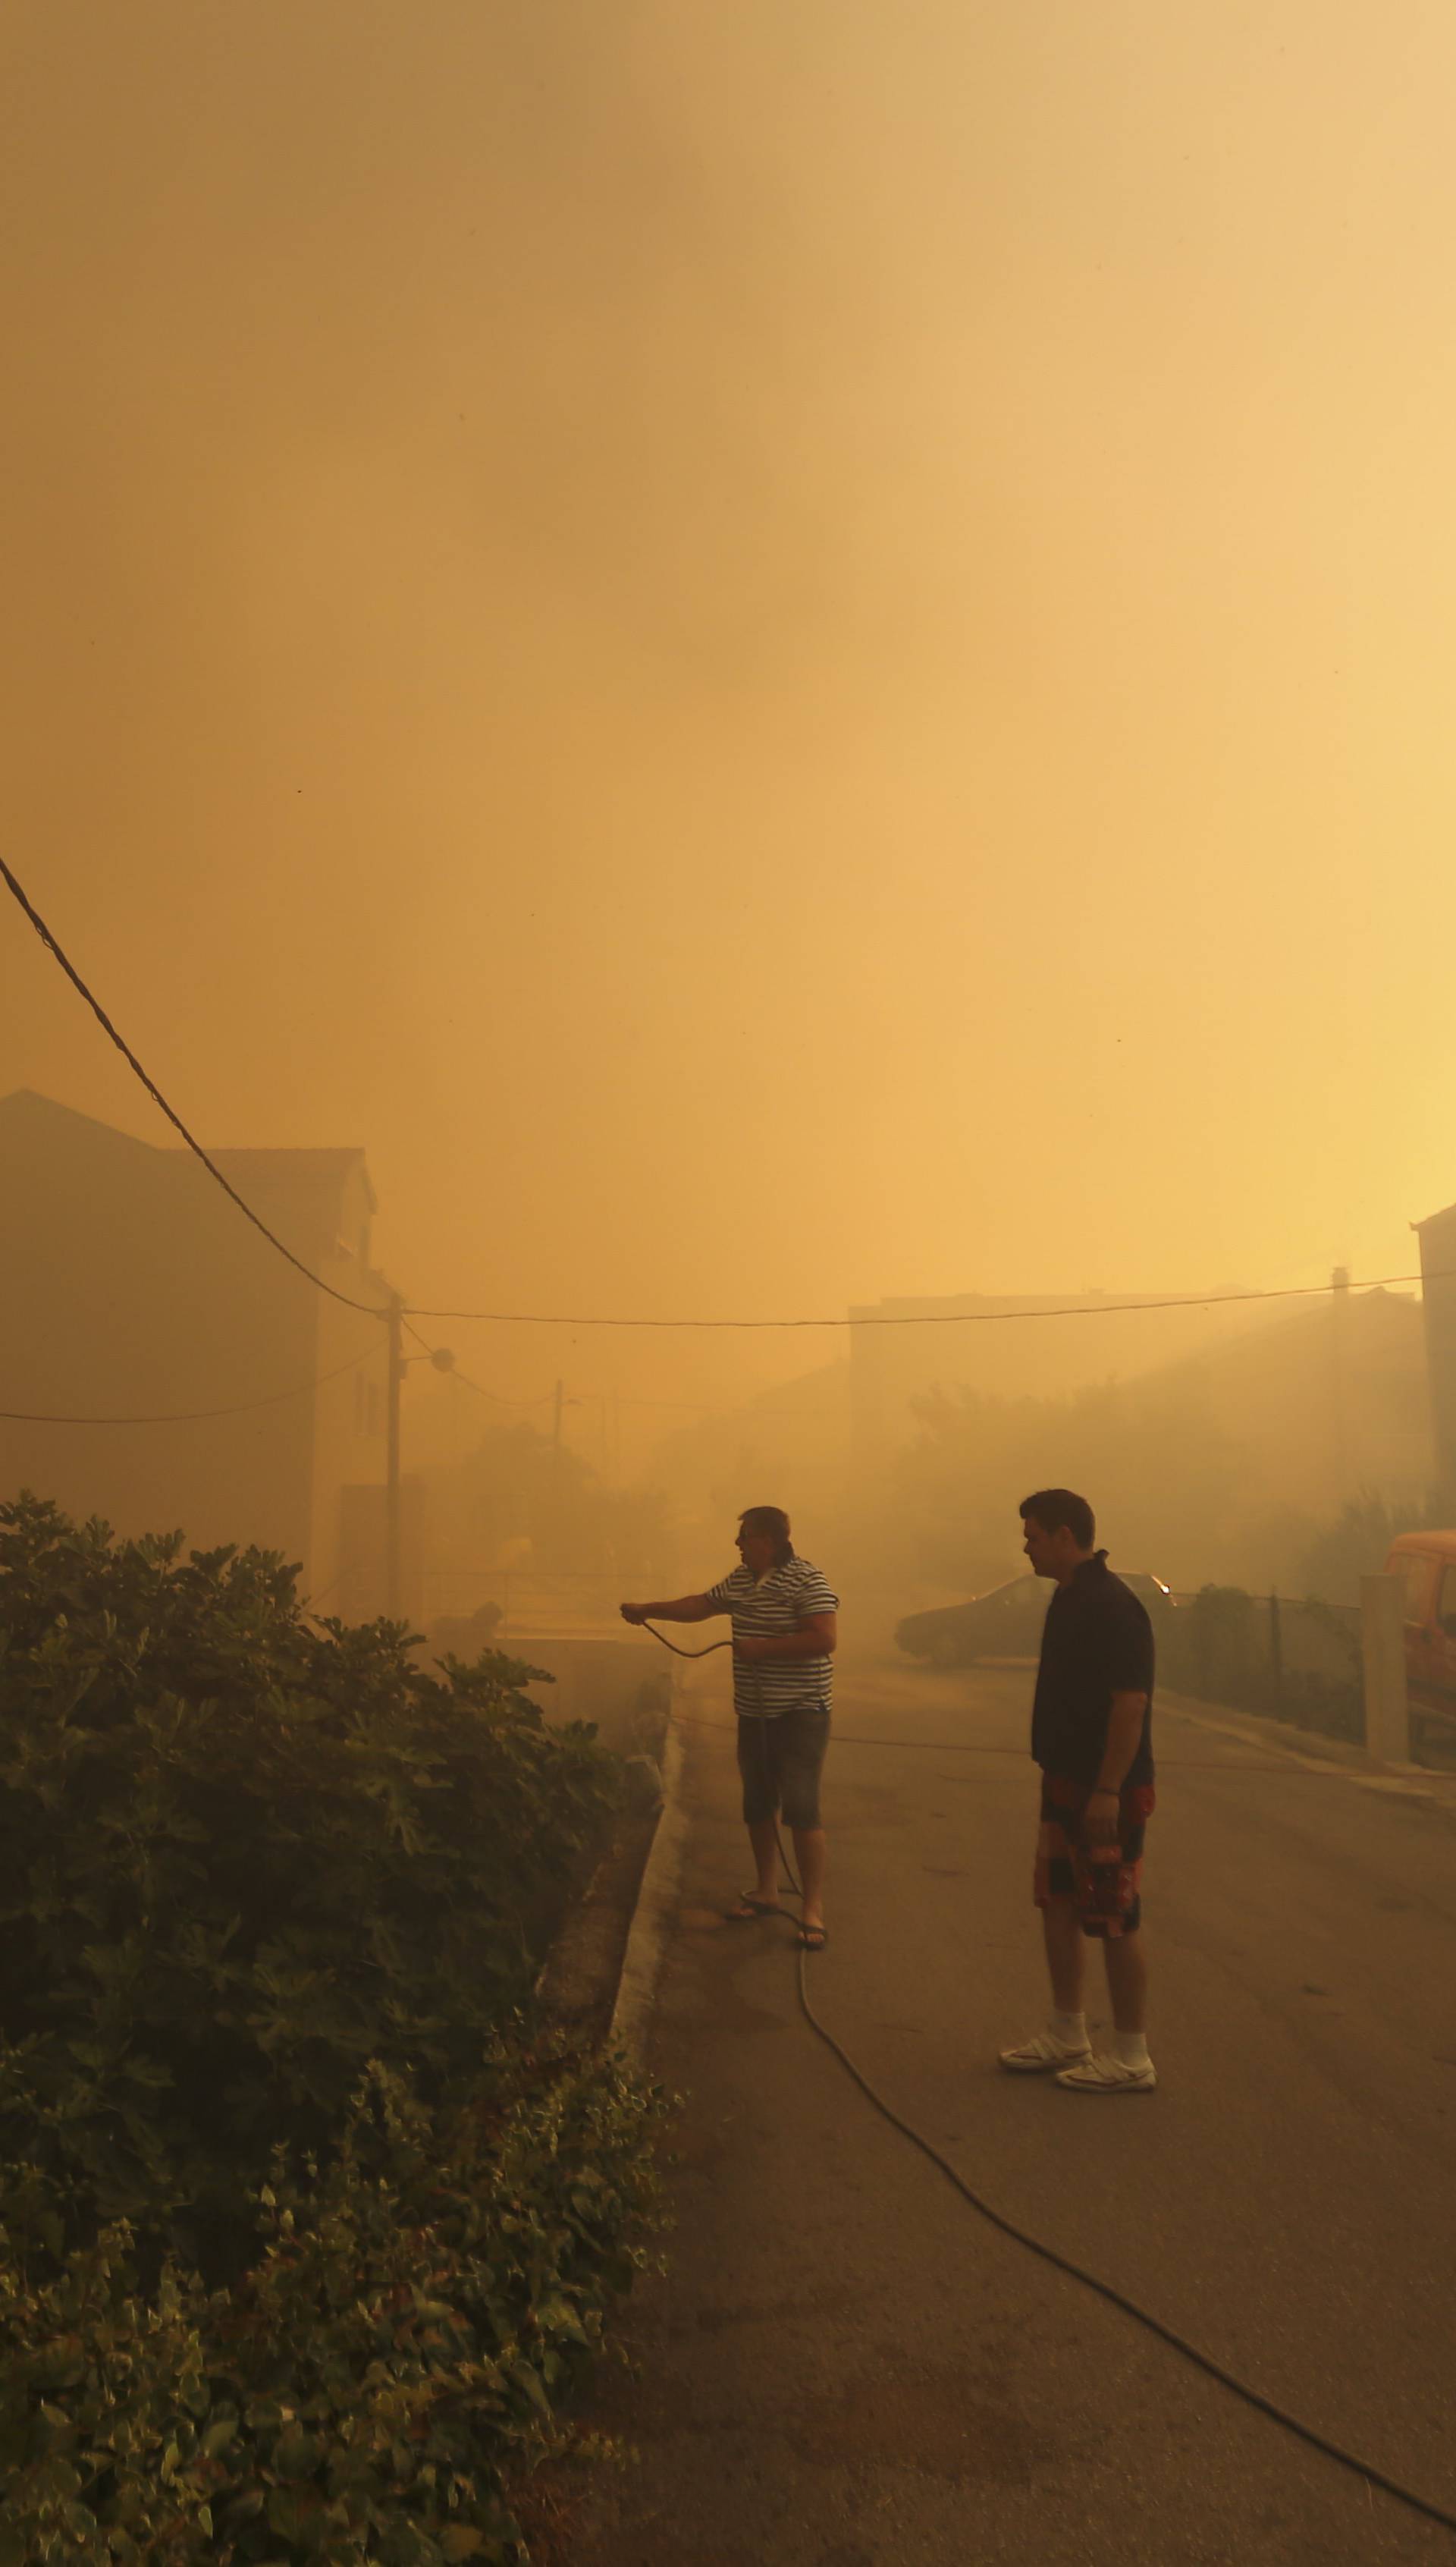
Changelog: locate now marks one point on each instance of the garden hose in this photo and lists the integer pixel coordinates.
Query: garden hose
(1167, 2334)
(763, 1735)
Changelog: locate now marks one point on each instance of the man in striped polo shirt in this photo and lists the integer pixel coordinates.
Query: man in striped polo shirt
(785, 1628)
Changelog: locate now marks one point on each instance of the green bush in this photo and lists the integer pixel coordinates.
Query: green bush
(303, 2231)
(375, 2386)
(239, 1858)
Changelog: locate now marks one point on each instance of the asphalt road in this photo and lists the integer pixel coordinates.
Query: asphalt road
(845, 2365)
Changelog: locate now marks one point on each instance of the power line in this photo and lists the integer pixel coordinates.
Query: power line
(938, 1318)
(370, 1308)
(194, 1416)
(562, 1320)
(501, 1398)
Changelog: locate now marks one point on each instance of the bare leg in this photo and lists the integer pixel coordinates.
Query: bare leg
(763, 1836)
(1127, 1981)
(808, 1847)
(1065, 1955)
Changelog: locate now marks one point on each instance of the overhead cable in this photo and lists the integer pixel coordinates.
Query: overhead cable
(497, 1397)
(935, 1318)
(501, 1398)
(370, 1308)
(568, 1319)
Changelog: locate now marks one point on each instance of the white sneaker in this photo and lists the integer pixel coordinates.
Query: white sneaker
(1044, 2052)
(1108, 2075)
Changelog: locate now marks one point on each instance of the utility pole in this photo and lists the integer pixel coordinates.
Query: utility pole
(1387, 1702)
(553, 1506)
(391, 1465)
(443, 1361)
(1339, 1356)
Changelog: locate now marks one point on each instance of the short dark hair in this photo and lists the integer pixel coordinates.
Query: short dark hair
(771, 1521)
(1056, 1509)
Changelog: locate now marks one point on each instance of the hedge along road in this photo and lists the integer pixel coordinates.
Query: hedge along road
(845, 2365)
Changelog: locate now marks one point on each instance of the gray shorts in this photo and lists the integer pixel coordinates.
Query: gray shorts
(780, 1762)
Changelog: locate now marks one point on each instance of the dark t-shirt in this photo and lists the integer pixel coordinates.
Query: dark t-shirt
(1097, 1641)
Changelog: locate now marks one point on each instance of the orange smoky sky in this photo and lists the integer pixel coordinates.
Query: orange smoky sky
(783, 652)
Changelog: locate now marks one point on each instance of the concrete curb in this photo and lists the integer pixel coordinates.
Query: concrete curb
(657, 1894)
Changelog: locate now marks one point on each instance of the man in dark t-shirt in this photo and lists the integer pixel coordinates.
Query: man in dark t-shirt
(1091, 1737)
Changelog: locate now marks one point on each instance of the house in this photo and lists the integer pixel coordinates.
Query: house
(131, 1288)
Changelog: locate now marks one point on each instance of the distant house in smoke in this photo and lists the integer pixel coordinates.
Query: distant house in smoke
(1225, 1463)
(1013, 1346)
(792, 1441)
(133, 1289)
(1324, 1402)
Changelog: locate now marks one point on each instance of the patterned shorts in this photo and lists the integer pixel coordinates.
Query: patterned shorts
(1105, 1884)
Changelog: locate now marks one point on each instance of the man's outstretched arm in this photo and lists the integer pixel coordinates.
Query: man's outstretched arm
(681, 1608)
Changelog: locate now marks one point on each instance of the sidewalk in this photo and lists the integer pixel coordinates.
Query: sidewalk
(846, 2366)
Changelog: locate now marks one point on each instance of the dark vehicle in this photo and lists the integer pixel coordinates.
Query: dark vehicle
(1003, 1623)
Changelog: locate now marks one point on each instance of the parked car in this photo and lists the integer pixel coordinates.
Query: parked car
(1425, 1562)
(1006, 1622)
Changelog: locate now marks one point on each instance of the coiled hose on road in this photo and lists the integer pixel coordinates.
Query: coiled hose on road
(1142, 2317)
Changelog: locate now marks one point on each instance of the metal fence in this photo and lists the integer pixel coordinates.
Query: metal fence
(1296, 1662)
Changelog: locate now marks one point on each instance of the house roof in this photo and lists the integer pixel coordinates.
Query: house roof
(26, 1106)
(298, 1170)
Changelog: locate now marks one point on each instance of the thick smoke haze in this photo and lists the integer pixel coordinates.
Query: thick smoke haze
(783, 655)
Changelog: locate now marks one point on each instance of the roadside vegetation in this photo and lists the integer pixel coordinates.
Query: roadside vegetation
(518, 1486)
(307, 2230)
(1353, 1543)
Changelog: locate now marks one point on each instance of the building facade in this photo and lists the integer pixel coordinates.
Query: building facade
(131, 1288)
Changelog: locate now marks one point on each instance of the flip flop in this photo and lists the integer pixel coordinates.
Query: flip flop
(812, 1938)
(749, 1909)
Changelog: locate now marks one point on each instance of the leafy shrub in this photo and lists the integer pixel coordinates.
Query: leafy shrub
(1353, 1543)
(375, 2385)
(239, 1858)
(1217, 1644)
(273, 1900)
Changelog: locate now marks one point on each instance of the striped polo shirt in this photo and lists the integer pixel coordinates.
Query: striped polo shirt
(765, 1608)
